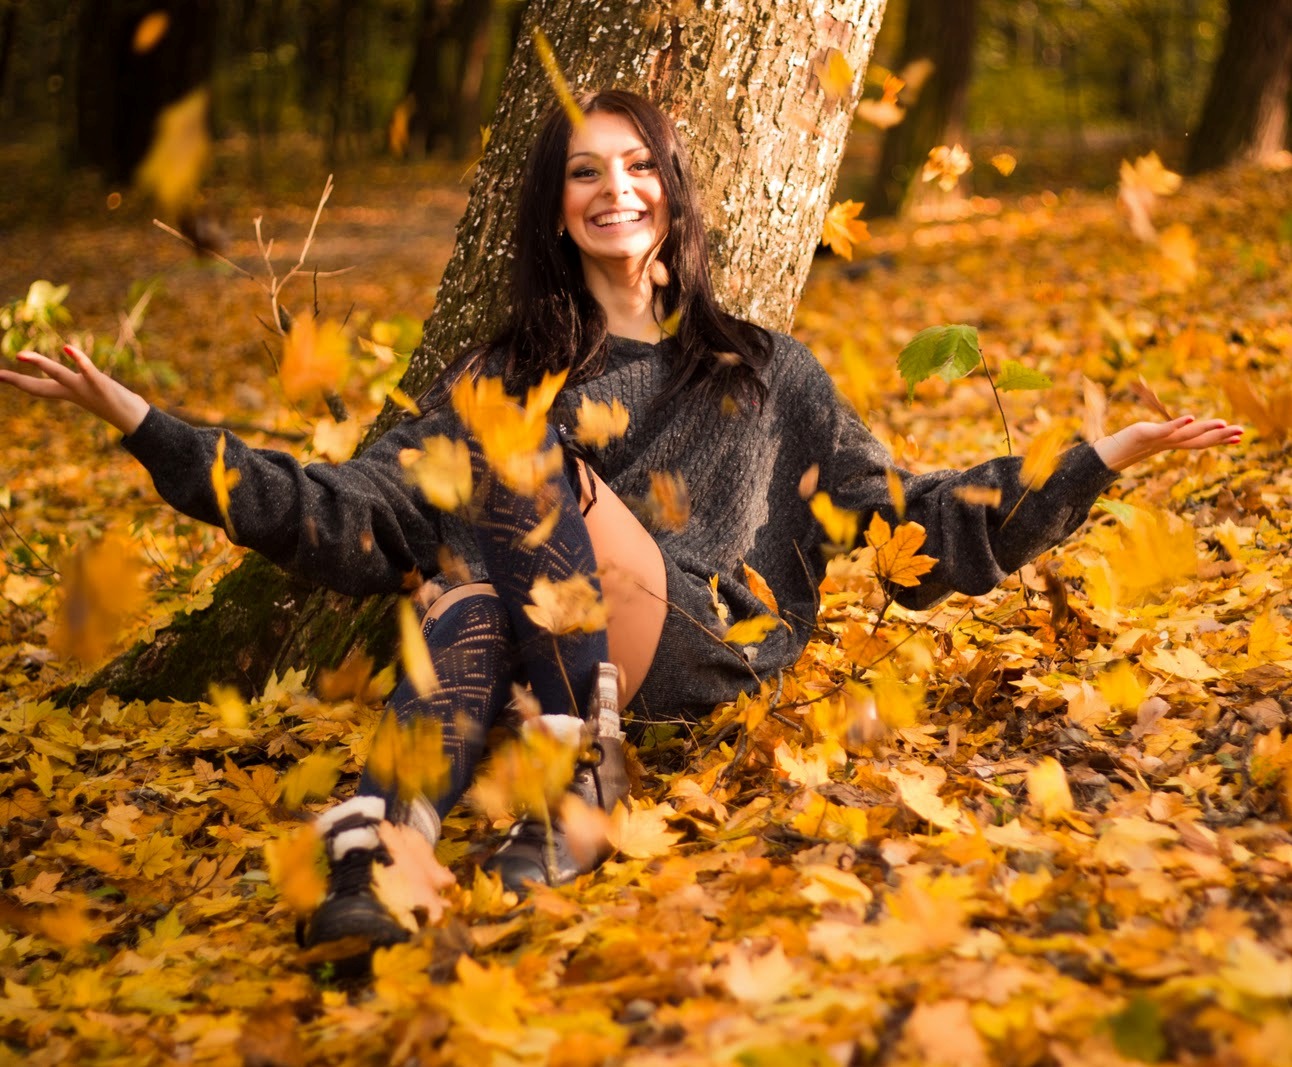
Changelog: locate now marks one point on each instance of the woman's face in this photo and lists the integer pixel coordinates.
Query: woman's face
(613, 207)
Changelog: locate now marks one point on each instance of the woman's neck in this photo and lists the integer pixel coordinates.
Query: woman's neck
(627, 299)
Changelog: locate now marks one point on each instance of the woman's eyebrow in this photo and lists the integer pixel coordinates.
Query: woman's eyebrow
(597, 155)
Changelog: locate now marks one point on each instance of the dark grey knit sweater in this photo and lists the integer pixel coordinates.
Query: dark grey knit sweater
(360, 528)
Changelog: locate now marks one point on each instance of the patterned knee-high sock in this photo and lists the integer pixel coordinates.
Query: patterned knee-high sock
(561, 669)
(471, 650)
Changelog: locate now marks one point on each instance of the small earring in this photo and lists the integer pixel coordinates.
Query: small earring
(560, 230)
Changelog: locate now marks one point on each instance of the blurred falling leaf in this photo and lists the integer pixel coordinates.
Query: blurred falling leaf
(181, 149)
(336, 441)
(557, 80)
(296, 868)
(1096, 410)
(223, 481)
(759, 587)
(978, 495)
(599, 424)
(571, 605)
(843, 227)
(668, 504)
(835, 74)
(896, 492)
(101, 589)
(1043, 456)
(1004, 163)
(1139, 186)
(415, 655)
(409, 886)
(946, 165)
(316, 358)
(314, 777)
(885, 112)
(839, 524)
(149, 31)
(408, 758)
(1047, 789)
(1179, 252)
(511, 434)
(441, 469)
(1145, 395)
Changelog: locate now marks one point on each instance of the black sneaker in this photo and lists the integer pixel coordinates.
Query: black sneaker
(351, 912)
(600, 781)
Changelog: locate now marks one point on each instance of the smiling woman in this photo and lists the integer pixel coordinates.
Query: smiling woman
(612, 310)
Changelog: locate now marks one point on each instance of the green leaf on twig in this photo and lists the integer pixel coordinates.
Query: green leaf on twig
(1013, 375)
(949, 351)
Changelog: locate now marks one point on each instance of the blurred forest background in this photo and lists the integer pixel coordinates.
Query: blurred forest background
(1063, 86)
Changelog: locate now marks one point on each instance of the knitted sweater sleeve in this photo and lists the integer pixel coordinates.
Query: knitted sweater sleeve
(356, 527)
(976, 545)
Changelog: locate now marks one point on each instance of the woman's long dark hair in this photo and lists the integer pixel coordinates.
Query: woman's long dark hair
(556, 324)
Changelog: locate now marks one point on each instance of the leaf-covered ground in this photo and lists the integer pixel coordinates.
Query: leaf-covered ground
(1044, 826)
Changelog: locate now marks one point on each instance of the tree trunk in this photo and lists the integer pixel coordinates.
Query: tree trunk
(941, 31)
(1246, 111)
(765, 140)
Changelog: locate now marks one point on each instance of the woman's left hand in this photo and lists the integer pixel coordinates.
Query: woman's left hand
(1141, 440)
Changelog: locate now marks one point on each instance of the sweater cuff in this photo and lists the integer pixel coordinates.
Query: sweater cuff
(149, 441)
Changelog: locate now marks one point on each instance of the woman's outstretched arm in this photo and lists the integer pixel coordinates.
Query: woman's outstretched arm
(356, 527)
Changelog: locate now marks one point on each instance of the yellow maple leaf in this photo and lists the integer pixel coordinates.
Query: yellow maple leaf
(751, 631)
(843, 227)
(441, 469)
(885, 112)
(1047, 789)
(173, 168)
(835, 74)
(600, 423)
(223, 481)
(414, 653)
(1043, 456)
(1004, 163)
(1121, 687)
(296, 864)
(557, 80)
(641, 831)
(571, 605)
(897, 557)
(316, 357)
(839, 524)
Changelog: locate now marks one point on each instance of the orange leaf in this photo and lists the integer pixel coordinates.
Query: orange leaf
(316, 356)
(759, 587)
(835, 74)
(557, 80)
(1043, 456)
(843, 227)
(896, 551)
(223, 481)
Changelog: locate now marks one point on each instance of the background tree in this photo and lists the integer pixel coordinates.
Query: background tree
(1246, 111)
(135, 57)
(766, 132)
(940, 33)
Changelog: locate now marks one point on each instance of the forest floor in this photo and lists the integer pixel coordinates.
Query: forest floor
(1049, 825)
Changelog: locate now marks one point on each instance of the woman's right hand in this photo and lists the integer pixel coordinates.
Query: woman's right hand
(83, 384)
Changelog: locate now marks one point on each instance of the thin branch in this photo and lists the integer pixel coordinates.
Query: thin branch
(1009, 446)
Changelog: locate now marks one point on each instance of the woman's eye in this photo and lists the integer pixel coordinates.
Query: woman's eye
(644, 164)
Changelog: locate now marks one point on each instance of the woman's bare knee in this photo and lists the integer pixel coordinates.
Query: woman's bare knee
(445, 600)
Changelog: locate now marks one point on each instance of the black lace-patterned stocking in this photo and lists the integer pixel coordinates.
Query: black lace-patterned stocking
(561, 670)
(471, 650)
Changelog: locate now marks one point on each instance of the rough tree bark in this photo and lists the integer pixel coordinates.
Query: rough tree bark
(941, 31)
(1245, 114)
(740, 77)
